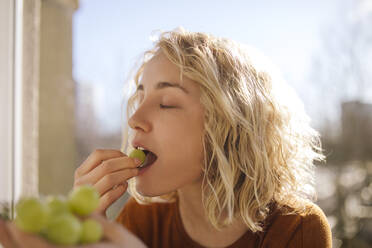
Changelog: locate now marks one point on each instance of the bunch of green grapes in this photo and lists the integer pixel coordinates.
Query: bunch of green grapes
(59, 219)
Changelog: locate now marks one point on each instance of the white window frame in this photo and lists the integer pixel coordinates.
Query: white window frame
(18, 102)
(7, 51)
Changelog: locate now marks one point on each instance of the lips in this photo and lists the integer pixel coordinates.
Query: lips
(150, 155)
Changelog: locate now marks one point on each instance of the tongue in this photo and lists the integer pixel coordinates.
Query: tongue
(150, 158)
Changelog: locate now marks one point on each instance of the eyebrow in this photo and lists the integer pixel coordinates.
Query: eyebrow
(162, 85)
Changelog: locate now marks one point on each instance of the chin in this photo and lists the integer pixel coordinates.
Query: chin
(146, 194)
(147, 191)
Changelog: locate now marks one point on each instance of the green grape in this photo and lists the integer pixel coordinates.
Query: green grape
(56, 205)
(137, 153)
(83, 200)
(91, 231)
(31, 215)
(63, 229)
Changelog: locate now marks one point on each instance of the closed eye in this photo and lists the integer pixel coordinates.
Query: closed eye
(166, 106)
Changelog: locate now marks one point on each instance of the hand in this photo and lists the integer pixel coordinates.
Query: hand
(108, 172)
(115, 236)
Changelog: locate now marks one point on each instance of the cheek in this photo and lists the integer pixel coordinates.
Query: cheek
(183, 146)
(183, 137)
(181, 142)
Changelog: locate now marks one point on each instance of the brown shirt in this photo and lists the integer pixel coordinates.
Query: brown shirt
(159, 225)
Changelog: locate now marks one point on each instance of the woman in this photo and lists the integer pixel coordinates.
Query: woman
(229, 149)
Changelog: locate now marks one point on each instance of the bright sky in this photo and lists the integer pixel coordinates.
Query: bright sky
(109, 36)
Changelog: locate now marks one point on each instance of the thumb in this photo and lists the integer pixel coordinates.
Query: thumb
(25, 240)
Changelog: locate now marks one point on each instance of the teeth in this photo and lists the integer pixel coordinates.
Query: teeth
(143, 149)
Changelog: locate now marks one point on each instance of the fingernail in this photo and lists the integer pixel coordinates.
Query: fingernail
(137, 161)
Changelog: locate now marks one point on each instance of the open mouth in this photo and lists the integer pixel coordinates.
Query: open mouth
(149, 160)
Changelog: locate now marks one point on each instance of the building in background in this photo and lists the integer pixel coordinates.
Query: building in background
(356, 121)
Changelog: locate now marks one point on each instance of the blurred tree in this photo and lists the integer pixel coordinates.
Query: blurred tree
(342, 73)
(342, 69)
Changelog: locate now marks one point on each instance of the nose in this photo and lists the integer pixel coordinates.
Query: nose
(139, 121)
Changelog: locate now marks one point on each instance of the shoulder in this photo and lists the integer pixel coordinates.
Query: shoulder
(314, 218)
(315, 230)
(307, 228)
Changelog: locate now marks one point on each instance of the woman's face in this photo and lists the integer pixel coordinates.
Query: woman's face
(169, 123)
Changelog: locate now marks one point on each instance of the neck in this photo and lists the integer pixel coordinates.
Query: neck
(190, 202)
(197, 225)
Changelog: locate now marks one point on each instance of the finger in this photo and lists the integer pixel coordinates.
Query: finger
(5, 237)
(25, 240)
(96, 158)
(109, 181)
(110, 197)
(105, 168)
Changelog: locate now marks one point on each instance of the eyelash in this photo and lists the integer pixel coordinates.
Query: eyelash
(166, 107)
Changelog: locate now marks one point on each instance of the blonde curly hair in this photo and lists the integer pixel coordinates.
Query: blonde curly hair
(259, 148)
